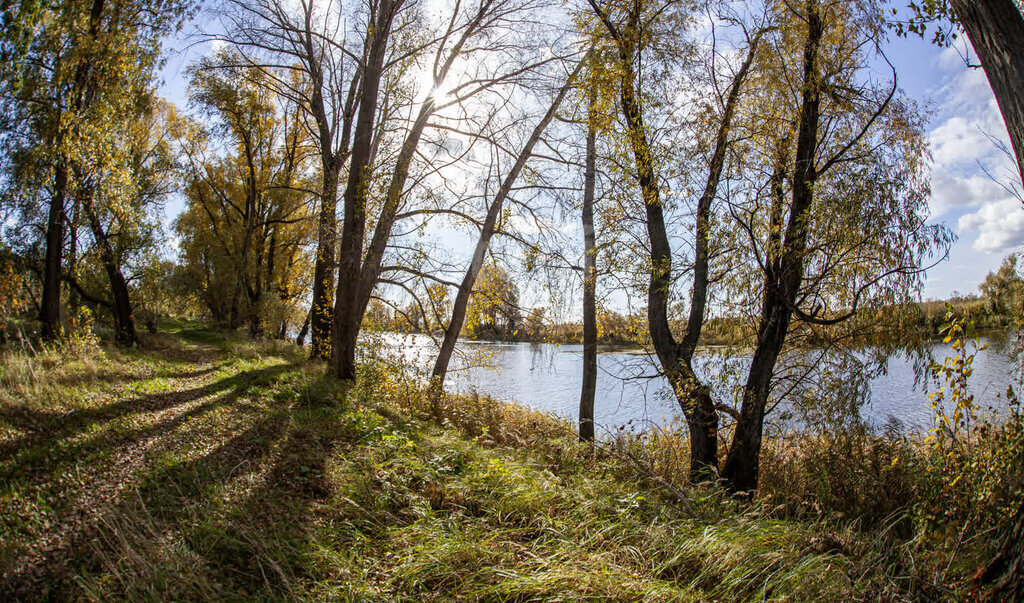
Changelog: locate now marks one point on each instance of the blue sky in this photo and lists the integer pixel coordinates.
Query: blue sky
(964, 125)
(965, 129)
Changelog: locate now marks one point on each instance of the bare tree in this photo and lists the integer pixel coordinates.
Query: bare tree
(465, 34)
(487, 231)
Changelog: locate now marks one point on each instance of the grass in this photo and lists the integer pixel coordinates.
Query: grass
(205, 466)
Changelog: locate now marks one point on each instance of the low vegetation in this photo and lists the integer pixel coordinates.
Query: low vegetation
(209, 466)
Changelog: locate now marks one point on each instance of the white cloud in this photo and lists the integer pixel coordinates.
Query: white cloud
(952, 191)
(960, 140)
(965, 145)
(966, 131)
(951, 58)
(1000, 225)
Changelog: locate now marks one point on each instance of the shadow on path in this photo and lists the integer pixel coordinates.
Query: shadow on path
(109, 467)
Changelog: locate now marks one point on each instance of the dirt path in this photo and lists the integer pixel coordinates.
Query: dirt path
(70, 470)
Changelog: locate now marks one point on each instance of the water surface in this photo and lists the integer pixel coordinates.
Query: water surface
(630, 392)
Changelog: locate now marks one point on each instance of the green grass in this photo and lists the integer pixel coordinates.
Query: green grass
(209, 467)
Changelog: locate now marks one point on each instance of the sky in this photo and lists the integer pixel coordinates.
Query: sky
(970, 174)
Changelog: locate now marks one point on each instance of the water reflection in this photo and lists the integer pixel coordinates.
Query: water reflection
(630, 392)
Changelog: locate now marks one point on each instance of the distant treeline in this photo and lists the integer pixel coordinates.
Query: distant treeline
(495, 315)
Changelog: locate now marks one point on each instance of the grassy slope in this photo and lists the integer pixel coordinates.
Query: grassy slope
(211, 468)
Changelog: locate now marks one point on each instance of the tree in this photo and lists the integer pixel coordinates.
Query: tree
(463, 312)
(303, 39)
(1004, 294)
(588, 389)
(1003, 289)
(629, 27)
(837, 222)
(121, 208)
(996, 30)
(847, 204)
(71, 74)
(493, 311)
(535, 327)
(439, 302)
(465, 34)
(247, 223)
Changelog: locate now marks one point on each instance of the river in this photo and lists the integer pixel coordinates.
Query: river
(547, 377)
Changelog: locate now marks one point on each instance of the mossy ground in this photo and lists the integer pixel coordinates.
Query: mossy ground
(208, 467)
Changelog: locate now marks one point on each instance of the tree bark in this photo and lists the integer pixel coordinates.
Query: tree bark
(589, 388)
(124, 321)
(996, 30)
(364, 279)
(322, 310)
(49, 314)
(451, 334)
(346, 319)
(781, 286)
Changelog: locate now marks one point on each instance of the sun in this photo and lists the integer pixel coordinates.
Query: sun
(439, 93)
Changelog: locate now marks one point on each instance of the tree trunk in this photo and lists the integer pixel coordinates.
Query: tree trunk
(370, 269)
(71, 257)
(695, 400)
(782, 285)
(694, 395)
(589, 388)
(300, 340)
(451, 334)
(322, 310)
(49, 314)
(124, 321)
(363, 282)
(346, 318)
(996, 30)
(676, 359)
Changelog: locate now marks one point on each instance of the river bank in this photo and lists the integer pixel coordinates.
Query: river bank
(206, 466)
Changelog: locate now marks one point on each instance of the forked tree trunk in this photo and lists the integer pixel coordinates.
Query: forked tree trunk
(589, 388)
(362, 284)
(676, 359)
(695, 401)
(368, 272)
(996, 30)
(459, 307)
(332, 160)
(346, 318)
(783, 284)
(695, 395)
